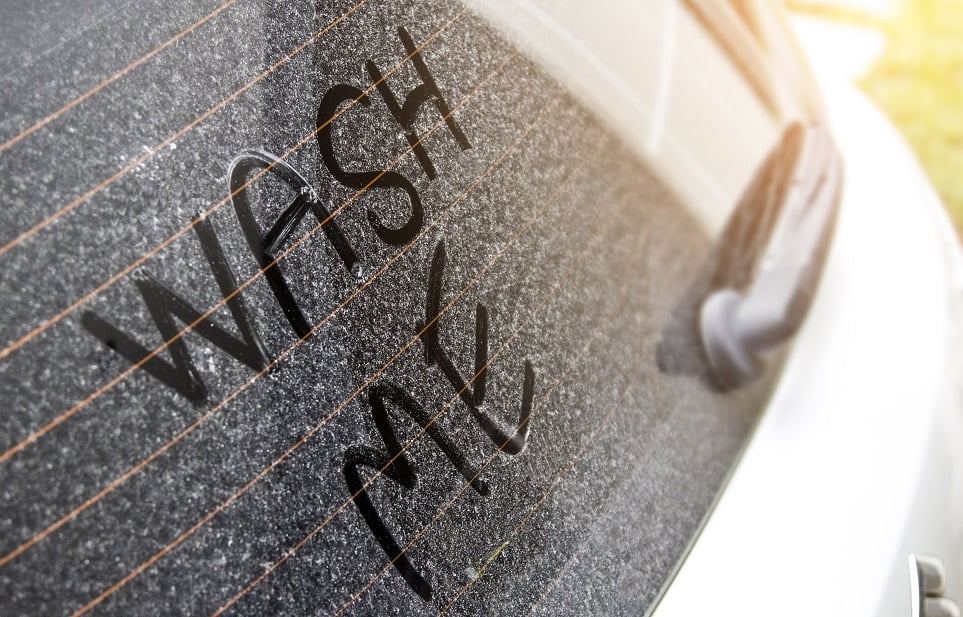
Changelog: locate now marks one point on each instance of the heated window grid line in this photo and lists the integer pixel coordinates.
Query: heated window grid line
(451, 402)
(606, 514)
(167, 343)
(42, 54)
(174, 137)
(686, 60)
(50, 321)
(39, 124)
(374, 377)
(599, 328)
(18, 343)
(20, 446)
(636, 372)
(219, 406)
(64, 313)
(602, 518)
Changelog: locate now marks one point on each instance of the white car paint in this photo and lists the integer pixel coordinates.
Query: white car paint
(857, 462)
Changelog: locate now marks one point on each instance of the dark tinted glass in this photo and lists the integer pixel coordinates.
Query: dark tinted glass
(337, 307)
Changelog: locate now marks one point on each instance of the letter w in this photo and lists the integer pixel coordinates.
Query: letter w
(164, 305)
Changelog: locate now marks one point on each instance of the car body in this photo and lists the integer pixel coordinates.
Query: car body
(477, 307)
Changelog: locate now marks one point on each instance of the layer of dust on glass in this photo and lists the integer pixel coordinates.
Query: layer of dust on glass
(328, 308)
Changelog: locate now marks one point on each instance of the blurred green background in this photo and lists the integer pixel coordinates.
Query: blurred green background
(918, 81)
(909, 59)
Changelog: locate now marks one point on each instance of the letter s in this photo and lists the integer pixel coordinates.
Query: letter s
(327, 112)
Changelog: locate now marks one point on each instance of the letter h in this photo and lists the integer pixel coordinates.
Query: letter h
(407, 112)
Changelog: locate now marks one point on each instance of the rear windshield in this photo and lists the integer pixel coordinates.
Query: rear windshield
(347, 308)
